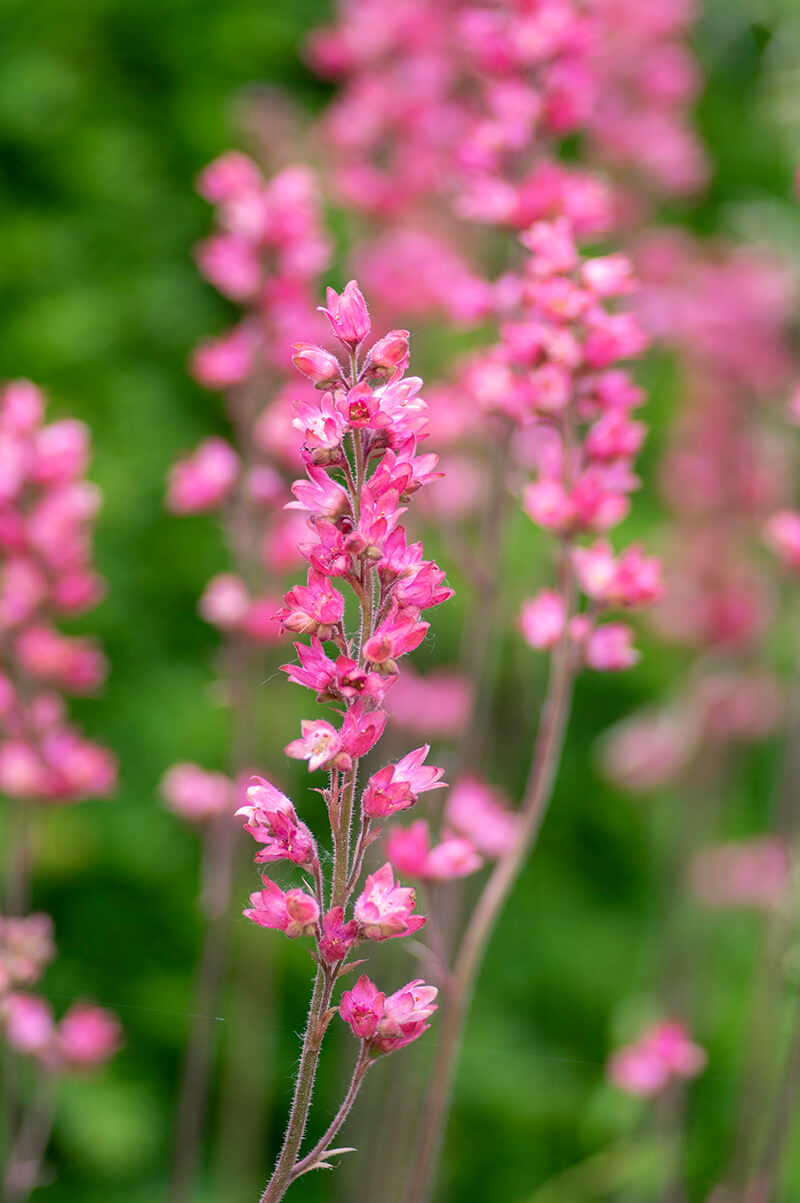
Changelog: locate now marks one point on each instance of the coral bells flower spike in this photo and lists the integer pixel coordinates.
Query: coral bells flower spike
(396, 786)
(347, 314)
(383, 910)
(294, 912)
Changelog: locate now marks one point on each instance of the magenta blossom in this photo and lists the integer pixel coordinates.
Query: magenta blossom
(204, 479)
(195, 794)
(272, 821)
(388, 1023)
(481, 815)
(383, 910)
(314, 609)
(362, 1007)
(347, 314)
(337, 936)
(87, 1036)
(409, 850)
(396, 786)
(401, 632)
(663, 1052)
(294, 912)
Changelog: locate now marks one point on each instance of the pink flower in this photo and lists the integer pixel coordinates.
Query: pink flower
(388, 1023)
(323, 427)
(437, 704)
(26, 945)
(409, 850)
(541, 619)
(196, 794)
(347, 314)
(404, 1015)
(87, 1036)
(337, 936)
(398, 634)
(75, 664)
(222, 363)
(272, 821)
(782, 534)
(224, 601)
(389, 353)
(61, 452)
(650, 750)
(319, 744)
(315, 609)
(755, 873)
(231, 264)
(320, 495)
(638, 1071)
(27, 1022)
(360, 731)
(609, 648)
(482, 816)
(362, 1007)
(664, 1051)
(204, 479)
(454, 856)
(316, 363)
(383, 910)
(294, 912)
(227, 177)
(396, 786)
(609, 276)
(631, 580)
(316, 670)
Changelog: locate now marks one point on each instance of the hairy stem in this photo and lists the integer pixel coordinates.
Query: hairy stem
(316, 1154)
(304, 1085)
(544, 764)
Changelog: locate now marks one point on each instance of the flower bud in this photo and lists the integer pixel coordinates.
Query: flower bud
(318, 364)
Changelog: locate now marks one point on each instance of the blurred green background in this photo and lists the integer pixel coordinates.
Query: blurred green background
(108, 109)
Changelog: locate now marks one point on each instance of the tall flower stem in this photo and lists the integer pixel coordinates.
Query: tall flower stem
(321, 1147)
(477, 664)
(544, 765)
(304, 1085)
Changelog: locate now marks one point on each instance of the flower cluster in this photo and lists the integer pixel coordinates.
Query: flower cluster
(359, 446)
(754, 873)
(86, 1035)
(46, 575)
(387, 1024)
(463, 98)
(478, 825)
(664, 1052)
(555, 375)
(195, 794)
(265, 255)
